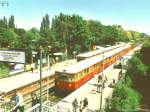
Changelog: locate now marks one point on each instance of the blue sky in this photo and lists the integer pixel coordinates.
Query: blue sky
(131, 14)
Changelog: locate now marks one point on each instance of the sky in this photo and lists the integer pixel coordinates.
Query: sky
(130, 14)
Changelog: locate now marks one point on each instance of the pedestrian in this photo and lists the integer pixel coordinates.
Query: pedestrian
(75, 105)
(19, 103)
(112, 84)
(32, 69)
(85, 103)
(35, 99)
(105, 79)
(100, 77)
(99, 86)
(80, 106)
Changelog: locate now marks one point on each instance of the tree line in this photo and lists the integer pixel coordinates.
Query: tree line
(66, 33)
(133, 94)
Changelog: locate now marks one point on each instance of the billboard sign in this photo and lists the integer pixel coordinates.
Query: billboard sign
(12, 56)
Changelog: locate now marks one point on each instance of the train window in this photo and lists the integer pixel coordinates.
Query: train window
(88, 70)
(63, 77)
(71, 78)
(76, 77)
(85, 71)
(79, 75)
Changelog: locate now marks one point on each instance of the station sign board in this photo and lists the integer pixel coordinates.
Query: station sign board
(12, 56)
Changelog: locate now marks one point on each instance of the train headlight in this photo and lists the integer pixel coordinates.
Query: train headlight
(69, 85)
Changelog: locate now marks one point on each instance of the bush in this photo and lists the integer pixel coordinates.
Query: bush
(125, 99)
(136, 68)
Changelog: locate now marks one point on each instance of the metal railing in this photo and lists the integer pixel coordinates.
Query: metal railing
(48, 107)
(6, 106)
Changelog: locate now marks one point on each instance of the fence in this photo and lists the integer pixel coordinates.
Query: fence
(48, 107)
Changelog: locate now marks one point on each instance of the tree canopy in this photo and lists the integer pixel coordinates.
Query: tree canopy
(125, 99)
(65, 33)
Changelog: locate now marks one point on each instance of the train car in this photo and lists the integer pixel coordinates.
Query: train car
(97, 52)
(72, 77)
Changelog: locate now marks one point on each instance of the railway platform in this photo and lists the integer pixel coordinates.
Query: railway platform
(89, 91)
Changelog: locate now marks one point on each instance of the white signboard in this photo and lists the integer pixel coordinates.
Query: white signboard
(12, 56)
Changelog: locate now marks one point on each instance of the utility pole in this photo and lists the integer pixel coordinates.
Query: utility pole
(47, 74)
(48, 67)
(40, 79)
(102, 84)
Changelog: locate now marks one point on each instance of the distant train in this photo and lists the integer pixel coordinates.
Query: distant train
(72, 77)
(97, 52)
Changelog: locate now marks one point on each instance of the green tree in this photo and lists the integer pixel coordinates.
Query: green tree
(29, 42)
(136, 68)
(145, 53)
(125, 99)
(11, 23)
(96, 32)
(8, 37)
(4, 70)
(45, 24)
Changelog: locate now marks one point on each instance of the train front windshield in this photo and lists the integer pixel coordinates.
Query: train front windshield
(63, 77)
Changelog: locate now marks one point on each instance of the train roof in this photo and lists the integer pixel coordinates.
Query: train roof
(92, 53)
(90, 61)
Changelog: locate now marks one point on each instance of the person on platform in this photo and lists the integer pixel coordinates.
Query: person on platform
(99, 85)
(75, 105)
(100, 78)
(18, 98)
(35, 99)
(85, 103)
(80, 106)
(31, 69)
(112, 84)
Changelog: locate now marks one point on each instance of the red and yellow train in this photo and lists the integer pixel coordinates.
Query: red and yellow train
(72, 77)
(90, 54)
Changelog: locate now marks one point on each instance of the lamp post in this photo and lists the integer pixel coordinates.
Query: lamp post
(102, 83)
(48, 66)
(41, 50)
(40, 79)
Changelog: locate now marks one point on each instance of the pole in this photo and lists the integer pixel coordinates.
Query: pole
(40, 79)
(47, 75)
(102, 84)
(101, 99)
